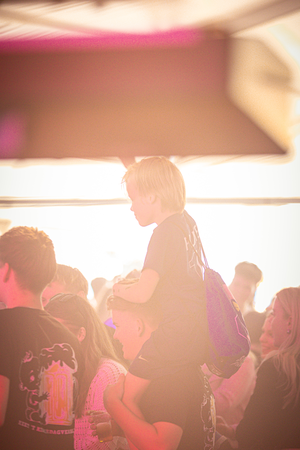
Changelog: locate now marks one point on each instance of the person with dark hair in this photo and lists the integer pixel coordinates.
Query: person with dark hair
(178, 408)
(102, 366)
(66, 280)
(40, 360)
(246, 279)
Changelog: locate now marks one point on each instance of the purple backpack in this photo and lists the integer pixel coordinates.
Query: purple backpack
(229, 341)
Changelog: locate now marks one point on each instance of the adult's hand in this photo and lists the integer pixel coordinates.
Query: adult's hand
(225, 429)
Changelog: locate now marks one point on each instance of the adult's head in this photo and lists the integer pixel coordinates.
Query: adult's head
(286, 318)
(134, 323)
(244, 284)
(67, 280)
(158, 176)
(29, 255)
(78, 315)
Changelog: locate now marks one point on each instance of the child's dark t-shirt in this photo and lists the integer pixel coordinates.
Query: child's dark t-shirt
(181, 337)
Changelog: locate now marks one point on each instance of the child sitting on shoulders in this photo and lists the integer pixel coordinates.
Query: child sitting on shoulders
(171, 273)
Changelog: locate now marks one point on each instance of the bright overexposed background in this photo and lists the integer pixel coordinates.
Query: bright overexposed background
(99, 235)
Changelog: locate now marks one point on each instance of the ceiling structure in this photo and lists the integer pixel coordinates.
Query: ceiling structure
(23, 19)
(131, 78)
(246, 205)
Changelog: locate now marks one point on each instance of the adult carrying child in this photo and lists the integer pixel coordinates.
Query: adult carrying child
(172, 274)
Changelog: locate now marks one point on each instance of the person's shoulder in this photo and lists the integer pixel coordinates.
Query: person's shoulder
(108, 372)
(7, 319)
(175, 223)
(58, 333)
(112, 366)
(187, 378)
(17, 315)
(5, 312)
(267, 368)
(168, 230)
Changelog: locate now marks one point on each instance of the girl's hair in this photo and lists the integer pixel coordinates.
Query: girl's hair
(158, 175)
(76, 313)
(287, 357)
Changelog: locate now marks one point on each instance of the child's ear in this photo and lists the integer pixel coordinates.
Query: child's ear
(151, 198)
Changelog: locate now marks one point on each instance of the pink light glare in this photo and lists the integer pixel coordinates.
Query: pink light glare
(176, 38)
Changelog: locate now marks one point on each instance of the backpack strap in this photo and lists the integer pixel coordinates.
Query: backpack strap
(203, 259)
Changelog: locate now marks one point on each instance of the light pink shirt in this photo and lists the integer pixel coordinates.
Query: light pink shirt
(233, 394)
(108, 373)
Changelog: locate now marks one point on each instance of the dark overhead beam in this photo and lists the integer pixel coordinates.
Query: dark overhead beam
(130, 96)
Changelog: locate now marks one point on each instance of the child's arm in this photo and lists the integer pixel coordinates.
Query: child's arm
(139, 433)
(141, 291)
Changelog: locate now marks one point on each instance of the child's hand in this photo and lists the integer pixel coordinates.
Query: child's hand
(100, 425)
(119, 289)
(96, 417)
(225, 429)
(116, 289)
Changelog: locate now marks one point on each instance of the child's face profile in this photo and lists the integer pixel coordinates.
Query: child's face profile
(142, 206)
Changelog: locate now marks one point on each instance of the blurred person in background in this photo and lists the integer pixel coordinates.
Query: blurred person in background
(67, 280)
(36, 352)
(271, 419)
(246, 279)
(102, 366)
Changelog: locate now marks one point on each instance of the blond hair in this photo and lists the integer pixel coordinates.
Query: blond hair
(287, 357)
(158, 175)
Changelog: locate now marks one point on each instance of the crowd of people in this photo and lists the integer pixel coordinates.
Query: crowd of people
(134, 377)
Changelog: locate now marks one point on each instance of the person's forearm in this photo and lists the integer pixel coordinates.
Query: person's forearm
(141, 291)
(134, 293)
(141, 434)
